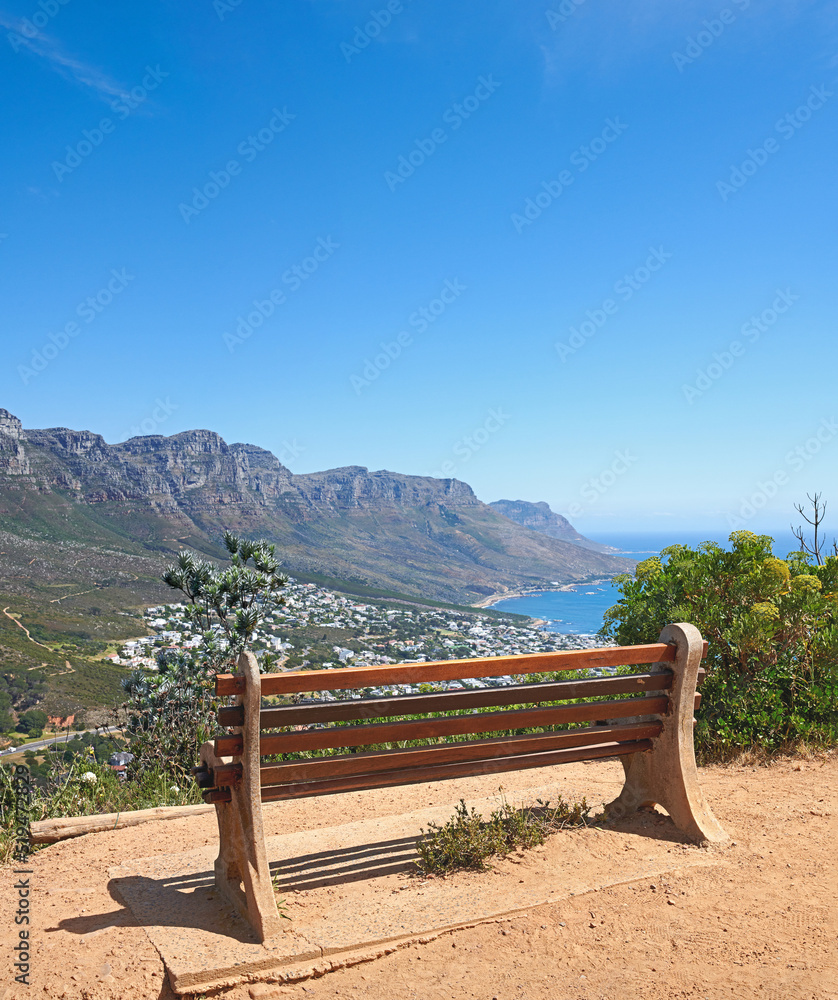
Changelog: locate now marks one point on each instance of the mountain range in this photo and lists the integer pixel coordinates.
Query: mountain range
(152, 495)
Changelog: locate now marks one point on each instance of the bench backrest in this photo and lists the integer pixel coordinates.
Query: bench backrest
(624, 726)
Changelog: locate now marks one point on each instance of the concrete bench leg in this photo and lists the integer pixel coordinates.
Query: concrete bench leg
(242, 874)
(666, 775)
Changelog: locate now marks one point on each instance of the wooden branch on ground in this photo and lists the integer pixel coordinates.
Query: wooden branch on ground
(50, 831)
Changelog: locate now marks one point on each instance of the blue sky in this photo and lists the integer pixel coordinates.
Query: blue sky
(575, 253)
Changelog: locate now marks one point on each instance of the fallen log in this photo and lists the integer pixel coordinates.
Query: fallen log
(50, 831)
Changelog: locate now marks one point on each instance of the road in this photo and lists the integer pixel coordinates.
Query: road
(65, 737)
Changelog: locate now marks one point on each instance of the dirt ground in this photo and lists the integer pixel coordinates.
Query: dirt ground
(760, 919)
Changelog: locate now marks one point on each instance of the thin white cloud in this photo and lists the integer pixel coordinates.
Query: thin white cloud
(50, 51)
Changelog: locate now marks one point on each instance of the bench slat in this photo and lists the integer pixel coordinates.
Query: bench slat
(300, 681)
(388, 760)
(422, 729)
(417, 775)
(450, 701)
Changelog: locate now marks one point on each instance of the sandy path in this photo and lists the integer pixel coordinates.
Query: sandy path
(761, 921)
(19, 624)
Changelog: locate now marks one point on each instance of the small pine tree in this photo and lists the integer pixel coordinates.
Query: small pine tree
(228, 605)
(169, 714)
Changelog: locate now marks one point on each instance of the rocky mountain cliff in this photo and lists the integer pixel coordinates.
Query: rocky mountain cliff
(385, 529)
(540, 517)
(12, 456)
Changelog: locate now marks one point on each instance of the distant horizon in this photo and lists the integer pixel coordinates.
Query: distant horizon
(595, 534)
(783, 539)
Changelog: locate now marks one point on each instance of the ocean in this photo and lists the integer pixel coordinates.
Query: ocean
(579, 611)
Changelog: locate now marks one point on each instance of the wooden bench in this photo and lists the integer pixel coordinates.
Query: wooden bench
(652, 734)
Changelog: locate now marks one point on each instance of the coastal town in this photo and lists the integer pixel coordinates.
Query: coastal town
(320, 628)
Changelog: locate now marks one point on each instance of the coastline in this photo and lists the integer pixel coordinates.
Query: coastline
(515, 592)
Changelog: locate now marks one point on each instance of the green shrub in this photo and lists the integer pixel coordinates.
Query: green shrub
(86, 788)
(168, 716)
(32, 722)
(467, 840)
(170, 713)
(772, 629)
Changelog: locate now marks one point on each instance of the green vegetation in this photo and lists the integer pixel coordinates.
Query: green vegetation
(32, 723)
(83, 788)
(167, 716)
(57, 666)
(79, 599)
(772, 628)
(74, 599)
(467, 841)
(61, 755)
